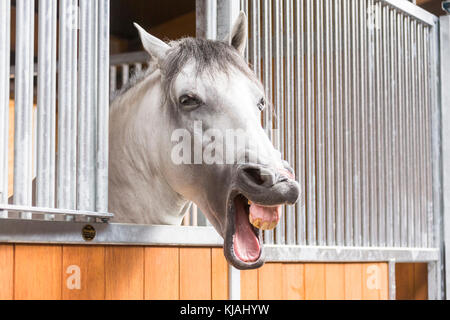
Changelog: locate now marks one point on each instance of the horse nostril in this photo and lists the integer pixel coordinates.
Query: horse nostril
(260, 176)
(255, 175)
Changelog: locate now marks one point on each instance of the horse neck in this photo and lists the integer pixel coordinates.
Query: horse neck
(138, 191)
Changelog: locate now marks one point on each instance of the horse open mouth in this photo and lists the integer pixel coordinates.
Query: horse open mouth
(245, 240)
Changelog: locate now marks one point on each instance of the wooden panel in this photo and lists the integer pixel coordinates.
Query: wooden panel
(334, 281)
(411, 281)
(6, 271)
(420, 281)
(314, 281)
(38, 272)
(249, 285)
(293, 281)
(372, 278)
(384, 290)
(87, 263)
(270, 279)
(124, 273)
(219, 273)
(353, 281)
(195, 273)
(161, 273)
(404, 274)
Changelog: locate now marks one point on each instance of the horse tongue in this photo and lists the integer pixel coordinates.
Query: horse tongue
(265, 218)
(245, 243)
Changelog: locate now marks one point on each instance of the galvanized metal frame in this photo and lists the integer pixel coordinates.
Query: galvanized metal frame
(445, 114)
(60, 188)
(5, 11)
(34, 231)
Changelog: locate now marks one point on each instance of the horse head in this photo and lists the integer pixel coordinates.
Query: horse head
(211, 147)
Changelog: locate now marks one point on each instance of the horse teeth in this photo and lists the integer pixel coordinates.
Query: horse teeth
(265, 225)
(255, 222)
(249, 202)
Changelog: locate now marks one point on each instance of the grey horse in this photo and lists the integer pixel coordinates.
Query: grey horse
(183, 107)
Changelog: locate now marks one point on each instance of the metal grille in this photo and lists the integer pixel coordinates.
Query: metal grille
(65, 146)
(352, 90)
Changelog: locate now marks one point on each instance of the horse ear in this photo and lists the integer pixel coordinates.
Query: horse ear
(155, 47)
(239, 33)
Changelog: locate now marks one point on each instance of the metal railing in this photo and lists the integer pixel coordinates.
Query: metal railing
(67, 147)
(352, 86)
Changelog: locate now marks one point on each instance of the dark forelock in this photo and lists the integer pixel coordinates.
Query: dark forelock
(210, 57)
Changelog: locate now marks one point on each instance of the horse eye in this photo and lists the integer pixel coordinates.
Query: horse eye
(190, 100)
(261, 104)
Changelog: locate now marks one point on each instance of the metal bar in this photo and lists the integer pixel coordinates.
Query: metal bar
(395, 119)
(67, 106)
(289, 140)
(356, 123)
(372, 127)
(436, 154)
(348, 254)
(5, 18)
(256, 37)
(347, 127)
(428, 151)
(433, 283)
(227, 12)
(320, 127)
(385, 218)
(365, 133)
(244, 7)
(409, 142)
(310, 128)
(206, 19)
(422, 141)
(23, 106)
(415, 132)
(279, 96)
(35, 231)
(330, 131)
(339, 121)
(402, 147)
(72, 139)
(46, 106)
(102, 148)
(53, 211)
(300, 119)
(87, 109)
(234, 283)
(392, 284)
(445, 101)
(112, 80)
(379, 117)
(125, 73)
(412, 10)
(268, 78)
(63, 177)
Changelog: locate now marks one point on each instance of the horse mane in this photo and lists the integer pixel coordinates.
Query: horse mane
(210, 56)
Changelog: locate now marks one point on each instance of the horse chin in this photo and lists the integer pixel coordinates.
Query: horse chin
(239, 231)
